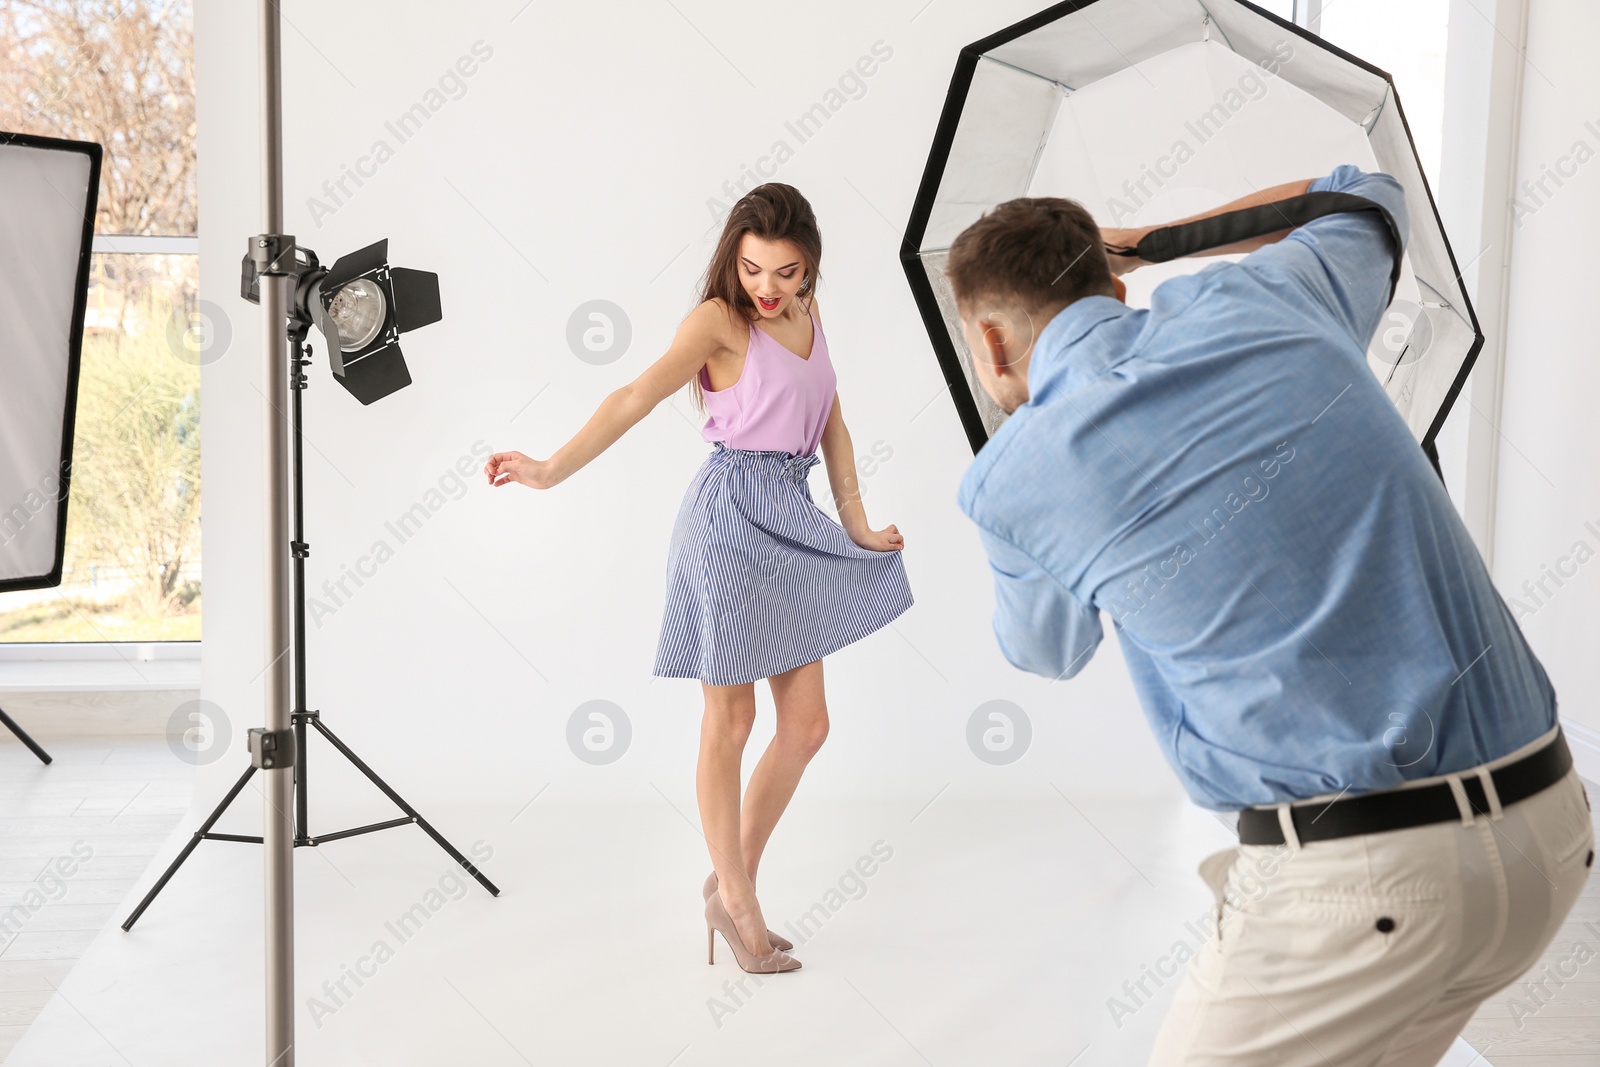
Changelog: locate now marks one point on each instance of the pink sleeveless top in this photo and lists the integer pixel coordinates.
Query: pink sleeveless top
(780, 403)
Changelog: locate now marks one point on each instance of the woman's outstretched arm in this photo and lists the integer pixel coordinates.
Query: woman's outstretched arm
(697, 339)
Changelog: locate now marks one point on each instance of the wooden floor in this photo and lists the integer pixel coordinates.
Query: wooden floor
(117, 799)
(114, 800)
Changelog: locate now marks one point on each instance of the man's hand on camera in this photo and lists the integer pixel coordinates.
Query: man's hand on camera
(1119, 241)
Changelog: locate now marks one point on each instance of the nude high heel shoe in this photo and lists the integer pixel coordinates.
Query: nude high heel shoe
(711, 887)
(719, 921)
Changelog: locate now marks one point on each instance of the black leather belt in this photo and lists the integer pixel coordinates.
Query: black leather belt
(1397, 809)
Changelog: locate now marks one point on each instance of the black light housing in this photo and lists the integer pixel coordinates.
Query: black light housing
(361, 305)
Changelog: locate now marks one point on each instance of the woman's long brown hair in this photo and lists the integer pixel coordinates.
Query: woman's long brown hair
(773, 212)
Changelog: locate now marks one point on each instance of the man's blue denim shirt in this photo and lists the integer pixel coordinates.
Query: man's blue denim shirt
(1301, 609)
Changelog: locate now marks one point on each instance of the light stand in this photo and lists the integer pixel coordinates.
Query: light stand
(287, 287)
(301, 716)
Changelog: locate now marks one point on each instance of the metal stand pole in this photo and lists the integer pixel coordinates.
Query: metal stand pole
(278, 750)
(278, 831)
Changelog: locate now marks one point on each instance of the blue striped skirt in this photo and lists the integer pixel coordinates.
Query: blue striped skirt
(760, 580)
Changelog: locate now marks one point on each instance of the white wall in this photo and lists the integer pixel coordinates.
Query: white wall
(578, 165)
(1549, 494)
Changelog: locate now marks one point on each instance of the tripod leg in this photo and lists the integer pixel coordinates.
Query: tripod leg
(407, 808)
(199, 836)
(22, 735)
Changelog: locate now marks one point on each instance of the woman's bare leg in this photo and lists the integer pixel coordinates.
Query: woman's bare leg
(802, 727)
(730, 714)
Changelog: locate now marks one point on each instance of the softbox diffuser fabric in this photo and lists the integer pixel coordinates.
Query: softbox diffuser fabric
(1146, 111)
(48, 190)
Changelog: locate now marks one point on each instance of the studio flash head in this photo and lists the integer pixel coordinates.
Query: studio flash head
(361, 305)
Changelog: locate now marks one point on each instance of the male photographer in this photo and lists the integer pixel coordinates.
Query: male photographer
(1313, 635)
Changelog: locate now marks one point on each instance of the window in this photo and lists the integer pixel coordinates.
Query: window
(1406, 39)
(121, 72)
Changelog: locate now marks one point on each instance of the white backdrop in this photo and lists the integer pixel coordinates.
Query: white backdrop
(1547, 531)
(577, 153)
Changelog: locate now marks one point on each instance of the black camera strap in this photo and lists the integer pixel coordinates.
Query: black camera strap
(1174, 242)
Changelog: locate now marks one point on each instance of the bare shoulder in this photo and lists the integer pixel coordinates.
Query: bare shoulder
(721, 322)
(816, 309)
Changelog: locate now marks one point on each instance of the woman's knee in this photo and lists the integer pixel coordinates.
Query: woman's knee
(805, 736)
(729, 719)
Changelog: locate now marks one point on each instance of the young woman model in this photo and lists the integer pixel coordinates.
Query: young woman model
(761, 583)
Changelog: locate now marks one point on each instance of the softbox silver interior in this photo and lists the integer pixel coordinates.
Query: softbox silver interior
(48, 191)
(1146, 111)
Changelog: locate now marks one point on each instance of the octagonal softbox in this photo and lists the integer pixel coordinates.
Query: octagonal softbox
(1147, 111)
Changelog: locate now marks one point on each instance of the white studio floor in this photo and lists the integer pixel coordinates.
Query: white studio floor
(994, 932)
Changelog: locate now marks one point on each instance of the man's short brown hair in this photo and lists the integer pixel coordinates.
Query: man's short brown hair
(1029, 253)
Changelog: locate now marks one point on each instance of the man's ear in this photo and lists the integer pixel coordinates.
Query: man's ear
(983, 352)
(1122, 290)
(1002, 327)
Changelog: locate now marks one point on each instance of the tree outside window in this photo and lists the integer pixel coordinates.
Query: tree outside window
(121, 73)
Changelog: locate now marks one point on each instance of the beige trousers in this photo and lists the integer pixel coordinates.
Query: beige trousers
(1375, 950)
